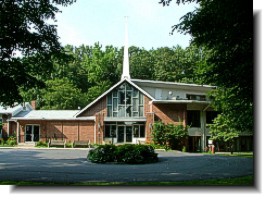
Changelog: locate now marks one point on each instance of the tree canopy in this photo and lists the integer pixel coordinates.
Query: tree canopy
(24, 33)
(91, 70)
(226, 28)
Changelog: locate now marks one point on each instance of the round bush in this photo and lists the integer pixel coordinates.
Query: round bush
(102, 154)
(127, 153)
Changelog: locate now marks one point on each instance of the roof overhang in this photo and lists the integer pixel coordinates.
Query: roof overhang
(124, 119)
(91, 118)
(180, 102)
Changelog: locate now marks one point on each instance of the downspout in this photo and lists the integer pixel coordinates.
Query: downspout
(18, 131)
(94, 140)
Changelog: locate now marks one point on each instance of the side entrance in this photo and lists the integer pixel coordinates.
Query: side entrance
(32, 133)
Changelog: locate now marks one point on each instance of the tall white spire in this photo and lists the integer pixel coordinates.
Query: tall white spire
(125, 73)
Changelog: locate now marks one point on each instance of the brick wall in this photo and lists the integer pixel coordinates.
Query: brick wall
(70, 130)
(171, 113)
(149, 118)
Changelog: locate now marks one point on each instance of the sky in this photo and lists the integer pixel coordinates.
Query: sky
(149, 23)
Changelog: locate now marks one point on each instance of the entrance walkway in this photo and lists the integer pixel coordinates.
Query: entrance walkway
(70, 165)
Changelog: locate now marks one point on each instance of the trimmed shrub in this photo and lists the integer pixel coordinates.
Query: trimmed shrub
(128, 153)
(102, 154)
(41, 144)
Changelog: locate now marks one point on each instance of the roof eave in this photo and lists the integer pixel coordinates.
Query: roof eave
(109, 90)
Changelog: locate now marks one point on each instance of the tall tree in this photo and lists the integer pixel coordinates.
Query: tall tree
(61, 94)
(226, 28)
(24, 32)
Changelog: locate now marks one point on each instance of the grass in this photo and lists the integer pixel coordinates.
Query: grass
(238, 154)
(237, 181)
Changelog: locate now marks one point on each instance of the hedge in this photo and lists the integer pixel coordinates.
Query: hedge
(127, 153)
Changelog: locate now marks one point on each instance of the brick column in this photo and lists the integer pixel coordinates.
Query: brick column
(148, 127)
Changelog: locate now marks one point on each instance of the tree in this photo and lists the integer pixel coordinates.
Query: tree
(226, 28)
(24, 32)
(169, 135)
(61, 94)
(222, 130)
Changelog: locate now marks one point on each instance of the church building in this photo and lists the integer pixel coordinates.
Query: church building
(125, 113)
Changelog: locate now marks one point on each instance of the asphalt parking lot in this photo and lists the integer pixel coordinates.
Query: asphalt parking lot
(71, 166)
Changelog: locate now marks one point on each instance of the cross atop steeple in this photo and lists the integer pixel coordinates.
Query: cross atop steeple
(125, 73)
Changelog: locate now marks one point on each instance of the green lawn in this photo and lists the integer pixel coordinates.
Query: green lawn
(239, 154)
(239, 181)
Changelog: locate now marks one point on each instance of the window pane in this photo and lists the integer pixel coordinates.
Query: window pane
(193, 118)
(115, 104)
(109, 99)
(128, 87)
(136, 131)
(121, 97)
(109, 111)
(210, 116)
(135, 93)
(128, 98)
(113, 131)
(129, 111)
(135, 114)
(107, 131)
(140, 98)
(135, 104)
(142, 131)
(115, 93)
(121, 111)
(141, 111)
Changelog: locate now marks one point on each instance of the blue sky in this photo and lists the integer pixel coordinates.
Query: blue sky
(149, 23)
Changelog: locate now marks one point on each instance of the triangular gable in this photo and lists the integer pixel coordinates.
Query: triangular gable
(109, 90)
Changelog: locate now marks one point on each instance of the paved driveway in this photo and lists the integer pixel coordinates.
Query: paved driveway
(68, 166)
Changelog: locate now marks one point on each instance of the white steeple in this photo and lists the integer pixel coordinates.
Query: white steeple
(125, 73)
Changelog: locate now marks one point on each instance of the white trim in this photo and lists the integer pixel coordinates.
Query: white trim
(124, 119)
(92, 118)
(32, 139)
(172, 83)
(109, 90)
(181, 101)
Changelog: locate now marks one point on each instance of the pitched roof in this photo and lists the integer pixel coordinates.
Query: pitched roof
(153, 83)
(14, 110)
(48, 115)
(109, 90)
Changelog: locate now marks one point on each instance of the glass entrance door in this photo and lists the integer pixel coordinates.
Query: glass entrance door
(120, 134)
(32, 133)
(124, 134)
(128, 134)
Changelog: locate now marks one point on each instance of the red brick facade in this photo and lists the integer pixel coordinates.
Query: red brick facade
(171, 113)
(69, 130)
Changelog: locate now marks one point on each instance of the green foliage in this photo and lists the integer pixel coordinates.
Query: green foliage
(102, 154)
(184, 149)
(26, 27)
(41, 144)
(91, 70)
(128, 153)
(11, 140)
(62, 94)
(229, 37)
(222, 130)
(69, 145)
(169, 135)
(135, 154)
